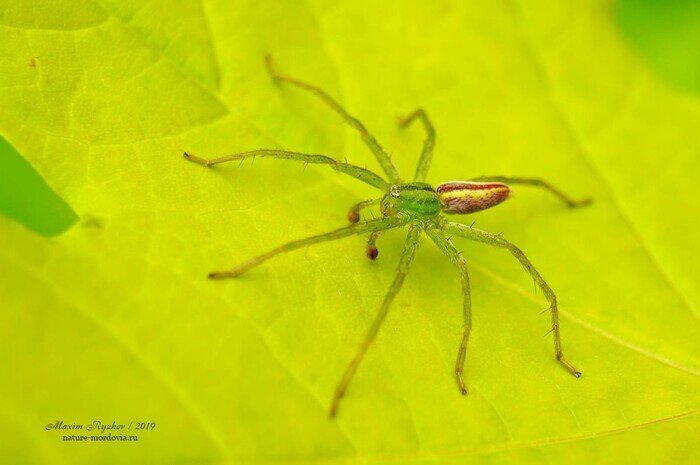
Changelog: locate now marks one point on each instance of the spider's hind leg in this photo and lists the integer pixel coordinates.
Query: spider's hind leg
(497, 241)
(534, 182)
(455, 256)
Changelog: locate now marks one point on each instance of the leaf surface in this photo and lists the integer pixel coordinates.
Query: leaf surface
(115, 319)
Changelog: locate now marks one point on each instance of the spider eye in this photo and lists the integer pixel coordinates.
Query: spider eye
(394, 191)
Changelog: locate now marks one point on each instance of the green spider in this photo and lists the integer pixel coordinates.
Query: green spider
(414, 204)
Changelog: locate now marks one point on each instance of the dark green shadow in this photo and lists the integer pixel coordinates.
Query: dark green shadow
(25, 196)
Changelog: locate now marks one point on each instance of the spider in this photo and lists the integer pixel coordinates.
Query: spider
(414, 204)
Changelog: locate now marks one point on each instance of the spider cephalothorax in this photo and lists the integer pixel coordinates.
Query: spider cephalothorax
(417, 200)
(416, 205)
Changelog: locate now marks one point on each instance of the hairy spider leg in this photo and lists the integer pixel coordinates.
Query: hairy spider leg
(354, 212)
(456, 257)
(497, 241)
(409, 251)
(379, 224)
(427, 154)
(356, 172)
(534, 182)
(382, 157)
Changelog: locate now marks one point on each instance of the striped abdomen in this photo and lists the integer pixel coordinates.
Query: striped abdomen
(470, 196)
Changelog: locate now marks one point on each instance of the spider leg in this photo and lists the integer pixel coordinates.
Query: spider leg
(456, 257)
(492, 239)
(409, 251)
(382, 157)
(356, 172)
(428, 144)
(354, 212)
(568, 201)
(359, 228)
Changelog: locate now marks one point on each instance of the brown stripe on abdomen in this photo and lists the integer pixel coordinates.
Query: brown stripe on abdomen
(471, 196)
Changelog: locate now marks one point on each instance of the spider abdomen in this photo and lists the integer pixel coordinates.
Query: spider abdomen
(471, 196)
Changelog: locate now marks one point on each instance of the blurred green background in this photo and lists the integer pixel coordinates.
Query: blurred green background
(666, 33)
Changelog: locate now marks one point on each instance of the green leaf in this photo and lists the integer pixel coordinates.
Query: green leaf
(25, 196)
(115, 320)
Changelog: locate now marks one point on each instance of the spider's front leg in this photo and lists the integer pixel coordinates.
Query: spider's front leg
(427, 153)
(379, 224)
(382, 157)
